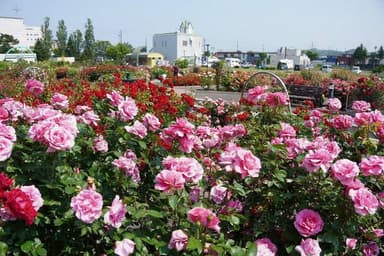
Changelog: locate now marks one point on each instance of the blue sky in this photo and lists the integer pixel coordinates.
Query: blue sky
(225, 24)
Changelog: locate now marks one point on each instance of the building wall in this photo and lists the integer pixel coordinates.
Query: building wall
(166, 44)
(27, 35)
(183, 44)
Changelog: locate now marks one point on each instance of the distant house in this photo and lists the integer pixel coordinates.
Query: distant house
(182, 44)
(26, 35)
(296, 55)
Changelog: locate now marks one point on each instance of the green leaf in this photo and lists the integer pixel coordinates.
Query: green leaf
(234, 220)
(27, 246)
(251, 249)
(3, 249)
(41, 251)
(155, 214)
(142, 144)
(172, 201)
(194, 244)
(289, 249)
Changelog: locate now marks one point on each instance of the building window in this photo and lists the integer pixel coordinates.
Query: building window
(185, 43)
(190, 42)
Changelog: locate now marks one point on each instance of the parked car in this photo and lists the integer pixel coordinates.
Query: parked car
(356, 70)
(246, 65)
(326, 68)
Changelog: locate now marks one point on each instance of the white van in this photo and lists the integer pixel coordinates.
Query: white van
(327, 68)
(232, 62)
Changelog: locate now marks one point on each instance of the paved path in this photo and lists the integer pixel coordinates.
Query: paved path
(199, 93)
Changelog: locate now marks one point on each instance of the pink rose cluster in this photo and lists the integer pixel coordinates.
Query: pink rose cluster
(183, 132)
(204, 217)
(57, 132)
(239, 160)
(7, 138)
(176, 172)
(127, 163)
(34, 86)
(59, 101)
(100, 144)
(88, 205)
(127, 109)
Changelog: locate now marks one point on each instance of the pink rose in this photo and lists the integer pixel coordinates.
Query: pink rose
(59, 100)
(361, 106)
(209, 136)
(265, 247)
(345, 171)
(137, 129)
(34, 195)
(373, 165)
(34, 86)
(308, 222)
(309, 247)
(89, 117)
(127, 109)
(287, 131)
(334, 104)
(240, 160)
(4, 115)
(151, 121)
(100, 144)
(190, 168)
(371, 249)
(124, 247)
(315, 160)
(362, 118)
(129, 166)
(277, 99)
(59, 138)
(364, 201)
(116, 213)
(179, 240)
(351, 243)
(218, 193)
(5, 148)
(167, 181)
(87, 205)
(7, 132)
(342, 122)
(256, 93)
(115, 98)
(205, 217)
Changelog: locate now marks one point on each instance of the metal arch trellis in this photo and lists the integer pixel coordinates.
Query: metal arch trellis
(281, 83)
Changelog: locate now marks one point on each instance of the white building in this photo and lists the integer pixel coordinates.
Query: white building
(296, 55)
(183, 44)
(27, 35)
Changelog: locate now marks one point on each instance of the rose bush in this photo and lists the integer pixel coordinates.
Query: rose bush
(135, 169)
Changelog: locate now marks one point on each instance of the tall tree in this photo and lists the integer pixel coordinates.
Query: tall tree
(380, 53)
(61, 35)
(360, 54)
(43, 46)
(89, 41)
(119, 51)
(312, 55)
(74, 44)
(6, 42)
(101, 48)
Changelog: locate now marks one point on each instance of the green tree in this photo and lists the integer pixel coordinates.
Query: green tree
(74, 44)
(61, 35)
(101, 48)
(6, 42)
(89, 42)
(312, 55)
(182, 63)
(380, 53)
(360, 54)
(118, 52)
(43, 46)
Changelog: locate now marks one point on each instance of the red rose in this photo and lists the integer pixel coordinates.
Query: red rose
(5, 181)
(19, 205)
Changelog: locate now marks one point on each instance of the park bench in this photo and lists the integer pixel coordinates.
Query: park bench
(298, 94)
